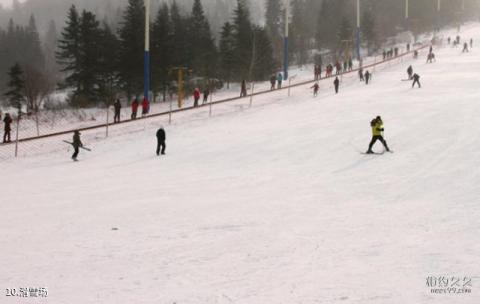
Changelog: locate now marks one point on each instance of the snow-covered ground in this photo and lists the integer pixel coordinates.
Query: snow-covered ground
(269, 204)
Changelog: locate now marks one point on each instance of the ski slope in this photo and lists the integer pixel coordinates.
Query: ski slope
(269, 204)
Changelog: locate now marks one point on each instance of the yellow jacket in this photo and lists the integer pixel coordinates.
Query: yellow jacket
(377, 128)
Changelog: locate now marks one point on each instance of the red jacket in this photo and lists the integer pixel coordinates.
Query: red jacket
(134, 106)
(144, 104)
(196, 94)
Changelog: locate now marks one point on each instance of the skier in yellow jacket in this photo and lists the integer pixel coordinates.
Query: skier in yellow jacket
(377, 129)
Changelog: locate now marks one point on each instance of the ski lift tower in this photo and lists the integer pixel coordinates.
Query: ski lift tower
(146, 66)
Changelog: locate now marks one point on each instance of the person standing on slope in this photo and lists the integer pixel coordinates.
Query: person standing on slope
(315, 88)
(117, 108)
(243, 89)
(336, 83)
(135, 105)
(368, 76)
(416, 80)
(196, 97)
(7, 128)
(377, 129)
(161, 137)
(273, 81)
(279, 80)
(77, 143)
(410, 72)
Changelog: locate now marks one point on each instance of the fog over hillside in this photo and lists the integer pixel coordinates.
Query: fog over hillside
(218, 11)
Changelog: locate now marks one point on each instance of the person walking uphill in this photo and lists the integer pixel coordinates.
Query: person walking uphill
(77, 143)
(161, 137)
(377, 129)
(336, 83)
(118, 108)
(8, 128)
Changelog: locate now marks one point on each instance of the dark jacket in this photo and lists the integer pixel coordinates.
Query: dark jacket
(118, 106)
(161, 136)
(76, 140)
(8, 121)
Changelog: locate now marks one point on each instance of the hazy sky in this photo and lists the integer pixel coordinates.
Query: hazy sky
(8, 2)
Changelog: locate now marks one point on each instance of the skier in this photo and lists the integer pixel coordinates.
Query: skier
(279, 80)
(430, 50)
(345, 65)
(144, 107)
(117, 107)
(410, 72)
(449, 40)
(415, 54)
(336, 83)
(367, 77)
(161, 137)
(416, 80)
(196, 97)
(471, 42)
(315, 88)
(408, 47)
(7, 129)
(243, 90)
(384, 54)
(465, 48)
(360, 74)
(206, 93)
(431, 58)
(77, 143)
(377, 129)
(273, 80)
(350, 64)
(135, 105)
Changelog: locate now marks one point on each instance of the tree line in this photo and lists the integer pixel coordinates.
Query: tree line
(98, 60)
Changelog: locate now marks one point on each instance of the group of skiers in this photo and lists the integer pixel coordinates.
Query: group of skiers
(276, 79)
(393, 52)
(77, 143)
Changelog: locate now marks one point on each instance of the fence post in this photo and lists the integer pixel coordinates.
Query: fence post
(108, 114)
(289, 85)
(170, 113)
(251, 95)
(36, 122)
(16, 135)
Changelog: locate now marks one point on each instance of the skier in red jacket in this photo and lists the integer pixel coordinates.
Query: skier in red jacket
(144, 107)
(196, 97)
(134, 108)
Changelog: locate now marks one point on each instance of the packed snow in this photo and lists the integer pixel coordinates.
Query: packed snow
(273, 203)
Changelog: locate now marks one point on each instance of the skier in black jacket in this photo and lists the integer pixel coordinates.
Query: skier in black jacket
(336, 83)
(118, 108)
(410, 72)
(77, 143)
(7, 121)
(161, 137)
(416, 80)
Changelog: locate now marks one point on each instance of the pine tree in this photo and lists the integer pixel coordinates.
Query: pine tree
(345, 32)
(243, 33)
(162, 45)
(203, 47)
(368, 31)
(88, 65)
(264, 62)
(227, 53)
(132, 48)
(273, 21)
(68, 54)
(108, 63)
(49, 46)
(33, 49)
(182, 48)
(16, 84)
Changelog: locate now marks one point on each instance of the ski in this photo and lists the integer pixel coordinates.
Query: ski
(84, 148)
